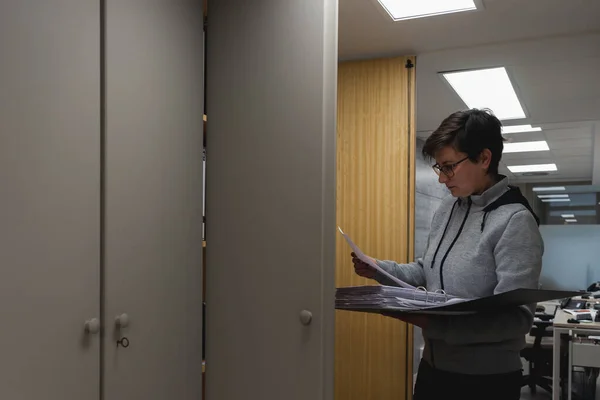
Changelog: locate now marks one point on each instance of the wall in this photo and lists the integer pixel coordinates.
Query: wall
(375, 202)
(571, 256)
(428, 197)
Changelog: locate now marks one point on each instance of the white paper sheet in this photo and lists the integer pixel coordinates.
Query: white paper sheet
(370, 262)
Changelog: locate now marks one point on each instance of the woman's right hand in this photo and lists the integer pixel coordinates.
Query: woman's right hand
(362, 268)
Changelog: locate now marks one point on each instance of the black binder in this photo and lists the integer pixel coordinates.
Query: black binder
(513, 298)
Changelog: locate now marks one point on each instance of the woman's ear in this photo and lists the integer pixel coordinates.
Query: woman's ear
(485, 158)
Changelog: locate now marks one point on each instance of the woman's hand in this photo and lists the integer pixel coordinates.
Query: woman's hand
(362, 268)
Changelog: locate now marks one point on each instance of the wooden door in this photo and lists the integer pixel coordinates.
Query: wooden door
(50, 198)
(375, 206)
(154, 108)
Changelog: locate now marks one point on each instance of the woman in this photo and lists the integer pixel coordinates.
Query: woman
(484, 240)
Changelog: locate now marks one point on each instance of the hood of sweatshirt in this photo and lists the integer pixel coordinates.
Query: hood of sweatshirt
(496, 196)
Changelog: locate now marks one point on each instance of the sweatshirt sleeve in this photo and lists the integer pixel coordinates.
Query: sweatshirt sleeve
(411, 273)
(518, 256)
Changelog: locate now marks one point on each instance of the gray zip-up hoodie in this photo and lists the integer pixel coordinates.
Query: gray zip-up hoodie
(478, 246)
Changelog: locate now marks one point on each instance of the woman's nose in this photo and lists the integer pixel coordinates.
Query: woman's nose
(443, 178)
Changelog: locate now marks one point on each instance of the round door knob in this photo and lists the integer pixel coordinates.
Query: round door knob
(305, 317)
(122, 321)
(92, 325)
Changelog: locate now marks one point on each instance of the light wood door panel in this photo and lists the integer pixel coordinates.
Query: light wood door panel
(50, 197)
(375, 206)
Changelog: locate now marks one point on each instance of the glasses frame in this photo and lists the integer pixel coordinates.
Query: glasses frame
(447, 169)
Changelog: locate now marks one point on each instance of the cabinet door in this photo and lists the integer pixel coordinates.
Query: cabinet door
(50, 197)
(270, 199)
(154, 108)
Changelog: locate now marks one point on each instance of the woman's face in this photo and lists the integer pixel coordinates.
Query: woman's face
(462, 176)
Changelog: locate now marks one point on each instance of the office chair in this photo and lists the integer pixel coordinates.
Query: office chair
(539, 357)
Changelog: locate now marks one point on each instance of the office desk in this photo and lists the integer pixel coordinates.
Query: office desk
(580, 354)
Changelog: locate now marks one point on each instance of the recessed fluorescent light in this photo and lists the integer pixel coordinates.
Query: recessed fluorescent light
(516, 169)
(519, 129)
(522, 147)
(570, 220)
(568, 215)
(554, 200)
(552, 196)
(487, 88)
(548, 188)
(409, 9)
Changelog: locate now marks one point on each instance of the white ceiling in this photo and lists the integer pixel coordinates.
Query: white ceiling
(570, 149)
(366, 32)
(551, 49)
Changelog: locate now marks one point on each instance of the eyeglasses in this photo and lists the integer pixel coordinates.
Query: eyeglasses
(447, 169)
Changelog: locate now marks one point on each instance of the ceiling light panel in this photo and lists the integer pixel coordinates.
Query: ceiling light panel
(522, 147)
(487, 88)
(549, 188)
(568, 215)
(409, 9)
(576, 213)
(519, 129)
(555, 200)
(552, 196)
(519, 169)
(570, 220)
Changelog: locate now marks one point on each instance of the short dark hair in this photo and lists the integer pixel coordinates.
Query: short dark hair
(469, 132)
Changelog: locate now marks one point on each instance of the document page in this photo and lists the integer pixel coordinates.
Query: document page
(369, 261)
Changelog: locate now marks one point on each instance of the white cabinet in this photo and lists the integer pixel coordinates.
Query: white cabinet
(101, 198)
(50, 198)
(153, 272)
(271, 79)
(101, 105)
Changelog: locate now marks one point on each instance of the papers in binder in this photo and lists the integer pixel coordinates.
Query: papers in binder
(391, 299)
(368, 260)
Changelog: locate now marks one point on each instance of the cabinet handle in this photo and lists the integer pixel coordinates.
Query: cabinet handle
(122, 321)
(305, 317)
(92, 326)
